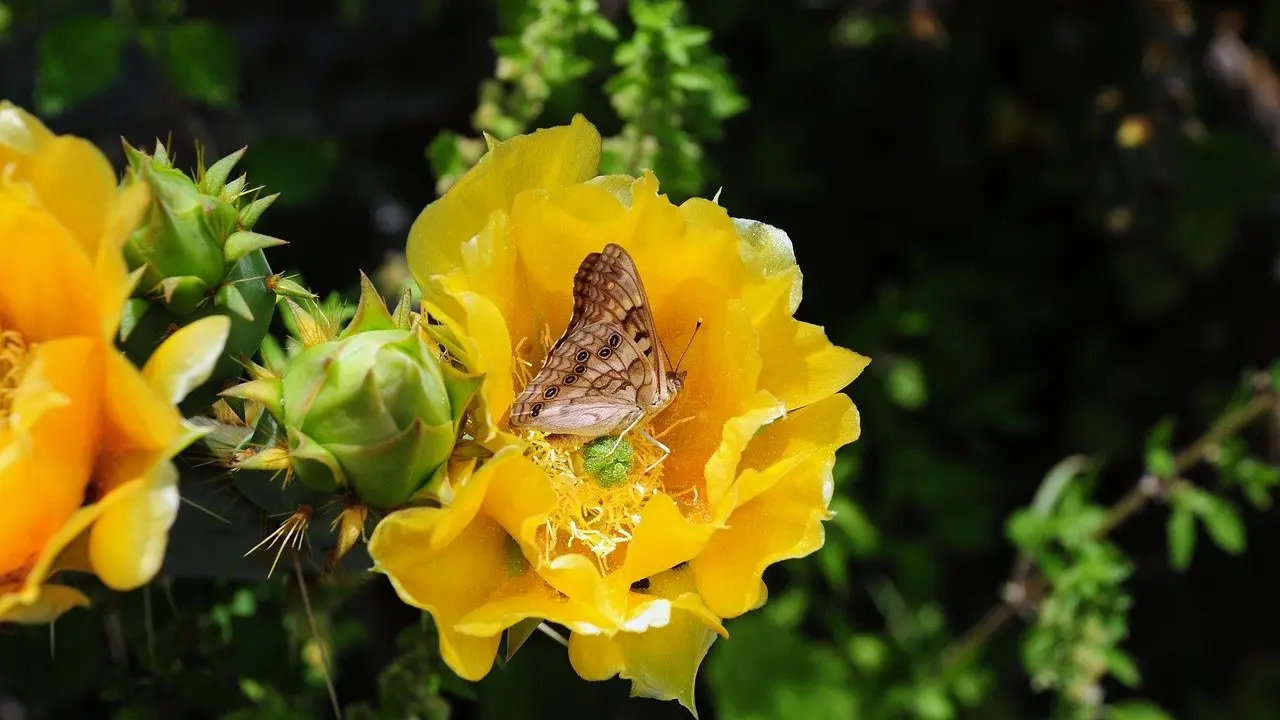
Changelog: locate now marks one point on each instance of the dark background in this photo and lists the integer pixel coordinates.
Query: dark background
(957, 202)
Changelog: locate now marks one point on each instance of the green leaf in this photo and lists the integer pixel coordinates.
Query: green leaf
(1182, 537)
(906, 384)
(1137, 710)
(299, 167)
(77, 58)
(773, 672)
(1160, 460)
(868, 652)
(1223, 523)
(1122, 667)
(854, 523)
(931, 703)
(201, 61)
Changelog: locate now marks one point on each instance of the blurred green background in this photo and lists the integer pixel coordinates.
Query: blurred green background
(1050, 224)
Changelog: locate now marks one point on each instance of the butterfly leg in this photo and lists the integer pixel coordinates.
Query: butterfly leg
(665, 450)
(623, 434)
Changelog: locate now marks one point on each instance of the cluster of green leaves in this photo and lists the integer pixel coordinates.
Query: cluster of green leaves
(671, 91)
(1074, 641)
(80, 57)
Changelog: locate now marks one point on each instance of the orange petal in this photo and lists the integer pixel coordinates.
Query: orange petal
(128, 541)
(48, 287)
(47, 461)
(544, 159)
(448, 580)
(799, 364)
(142, 427)
(723, 367)
(782, 522)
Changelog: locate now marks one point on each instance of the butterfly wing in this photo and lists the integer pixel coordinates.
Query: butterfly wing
(588, 386)
(607, 289)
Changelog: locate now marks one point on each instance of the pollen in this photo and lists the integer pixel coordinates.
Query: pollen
(14, 354)
(589, 515)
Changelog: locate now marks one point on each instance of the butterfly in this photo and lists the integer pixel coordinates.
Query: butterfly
(609, 371)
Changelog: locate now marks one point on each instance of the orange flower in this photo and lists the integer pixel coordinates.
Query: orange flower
(641, 571)
(85, 438)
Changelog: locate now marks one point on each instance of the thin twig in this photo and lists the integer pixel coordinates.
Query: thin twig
(315, 633)
(1030, 585)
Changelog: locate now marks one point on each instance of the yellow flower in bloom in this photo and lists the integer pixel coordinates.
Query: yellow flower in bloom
(642, 570)
(85, 437)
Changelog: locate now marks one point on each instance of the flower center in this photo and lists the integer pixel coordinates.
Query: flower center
(601, 488)
(14, 353)
(593, 511)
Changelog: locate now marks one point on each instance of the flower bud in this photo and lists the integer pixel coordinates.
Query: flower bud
(374, 411)
(197, 255)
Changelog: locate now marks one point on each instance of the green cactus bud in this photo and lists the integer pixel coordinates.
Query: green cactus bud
(197, 256)
(373, 412)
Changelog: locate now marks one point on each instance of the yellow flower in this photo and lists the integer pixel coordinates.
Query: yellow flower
(642, 571)
(85, 437)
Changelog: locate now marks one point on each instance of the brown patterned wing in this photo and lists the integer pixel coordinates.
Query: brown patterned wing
(590, 385)
(607, 289)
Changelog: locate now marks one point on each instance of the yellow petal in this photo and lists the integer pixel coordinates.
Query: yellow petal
(799, 364)
(127, 543)
(46, 464)
(662, 539)
(76, 184)
(447, 581)
(722, 468)
(48, 287)
(478, 324)
(544, 159)
(115, 282)
(528, 596)
(450, 561)
(520, 499)
(21, 133)
(186, 358)
(661, 662)
(782, 522)
(817, 430)
(768, 251)
(43, 605)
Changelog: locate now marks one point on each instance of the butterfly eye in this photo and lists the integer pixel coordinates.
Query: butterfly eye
(614, 340)
(570, 379)
(580, 369)
(537, 408)
(605, 352)
(551, 392)
(582, 356)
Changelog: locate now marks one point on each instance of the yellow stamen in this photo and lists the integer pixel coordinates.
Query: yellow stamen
(14, 354)
(587, 515)
(291, 533)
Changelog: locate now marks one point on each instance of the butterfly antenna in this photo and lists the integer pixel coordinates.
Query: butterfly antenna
(696, 328)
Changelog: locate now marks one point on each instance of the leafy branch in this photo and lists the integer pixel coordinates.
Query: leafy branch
(1067, 578)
